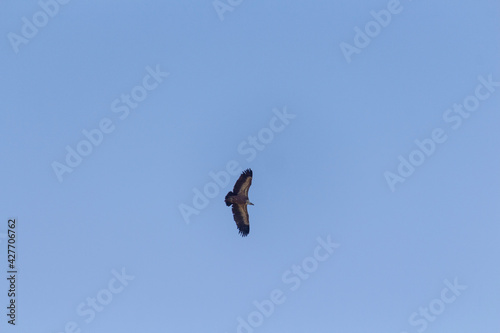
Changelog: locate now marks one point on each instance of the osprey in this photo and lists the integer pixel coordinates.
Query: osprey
(238, 197)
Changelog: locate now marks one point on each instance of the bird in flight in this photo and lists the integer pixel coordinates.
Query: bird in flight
(238, 197)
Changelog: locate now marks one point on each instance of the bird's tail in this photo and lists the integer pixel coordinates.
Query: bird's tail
(229, 194)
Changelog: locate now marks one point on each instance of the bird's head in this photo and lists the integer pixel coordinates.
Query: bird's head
(249, 203)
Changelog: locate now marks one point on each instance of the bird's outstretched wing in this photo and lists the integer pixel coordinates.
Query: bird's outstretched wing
(243, 183)
(240, 215)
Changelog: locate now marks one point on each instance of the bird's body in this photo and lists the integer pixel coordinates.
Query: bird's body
(238, 197)
(235, 199)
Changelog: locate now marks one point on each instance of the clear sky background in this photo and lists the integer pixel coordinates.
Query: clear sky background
(321, 174)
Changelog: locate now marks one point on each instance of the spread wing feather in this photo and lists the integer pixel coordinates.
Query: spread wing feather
(240, 215)
(243, 183)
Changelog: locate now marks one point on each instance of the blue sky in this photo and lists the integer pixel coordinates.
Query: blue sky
(376, 170)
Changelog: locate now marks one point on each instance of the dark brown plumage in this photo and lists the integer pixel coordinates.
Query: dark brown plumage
(238, 197)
